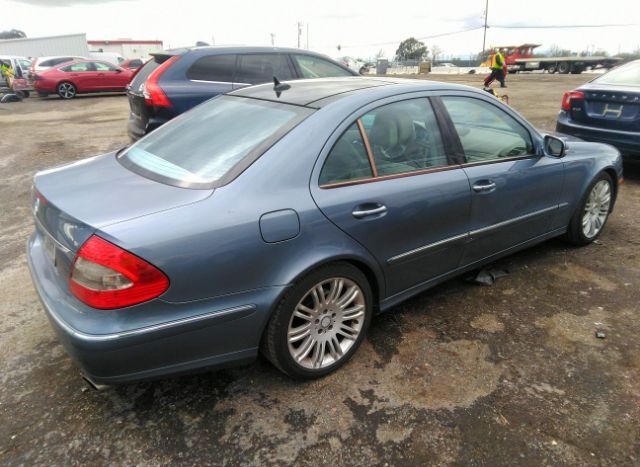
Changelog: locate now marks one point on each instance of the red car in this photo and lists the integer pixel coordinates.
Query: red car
(82, 76)
(132, 63)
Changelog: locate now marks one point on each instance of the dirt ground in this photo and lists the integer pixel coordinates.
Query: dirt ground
(461, 375)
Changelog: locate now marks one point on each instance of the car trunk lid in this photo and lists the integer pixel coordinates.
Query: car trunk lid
(614, 109)
(72, 201)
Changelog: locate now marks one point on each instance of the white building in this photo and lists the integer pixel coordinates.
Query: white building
(69, 44)
(126, 47)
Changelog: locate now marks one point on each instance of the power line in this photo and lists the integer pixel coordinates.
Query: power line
(561, 26)
(495, 26)
(451, 33)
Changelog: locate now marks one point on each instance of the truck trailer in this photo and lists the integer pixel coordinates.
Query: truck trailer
(521, 58)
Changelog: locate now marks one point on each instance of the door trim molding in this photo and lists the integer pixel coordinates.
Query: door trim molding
(421, 249)
(514, 220)
(470, 234)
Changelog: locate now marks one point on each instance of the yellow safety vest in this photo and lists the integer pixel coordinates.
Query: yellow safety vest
(494, 61)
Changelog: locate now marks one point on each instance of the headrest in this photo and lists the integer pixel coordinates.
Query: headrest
(391, 127)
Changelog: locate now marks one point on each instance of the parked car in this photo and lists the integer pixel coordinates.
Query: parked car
(39, 64)
(283, 217)
(109, 57)
(20, 68)
(81, 77)
(132, 63)
(606, 109)
(176, 80)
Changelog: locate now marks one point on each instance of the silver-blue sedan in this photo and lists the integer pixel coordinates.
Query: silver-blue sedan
(282, 217)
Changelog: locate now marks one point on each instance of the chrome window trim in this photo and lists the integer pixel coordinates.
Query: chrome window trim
(215, 82)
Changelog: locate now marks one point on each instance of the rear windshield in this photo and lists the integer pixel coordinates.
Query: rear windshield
(144, 73)
(625, 75)
(211, 144)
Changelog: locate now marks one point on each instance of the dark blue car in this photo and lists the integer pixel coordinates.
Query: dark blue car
(174, 81)
(606, 109)
(283, 219)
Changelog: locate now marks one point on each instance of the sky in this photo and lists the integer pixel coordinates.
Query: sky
(361, 28)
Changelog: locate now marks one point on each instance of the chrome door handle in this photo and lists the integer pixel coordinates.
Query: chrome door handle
(359, 214)
(484, 187)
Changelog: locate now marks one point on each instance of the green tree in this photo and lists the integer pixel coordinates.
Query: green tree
(412, 49)
(12, 34)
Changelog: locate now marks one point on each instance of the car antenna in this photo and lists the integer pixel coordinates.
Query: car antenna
(278, 87)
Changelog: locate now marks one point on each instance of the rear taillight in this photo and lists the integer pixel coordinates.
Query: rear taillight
(571, 96)
(105, 276)
(153, 93)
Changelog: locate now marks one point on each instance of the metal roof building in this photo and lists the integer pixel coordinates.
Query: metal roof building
(68, 44)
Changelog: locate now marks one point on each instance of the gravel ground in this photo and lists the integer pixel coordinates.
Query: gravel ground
(460, 375)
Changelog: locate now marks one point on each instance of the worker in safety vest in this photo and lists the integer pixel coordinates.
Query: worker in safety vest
(498, 69)
(6, 73)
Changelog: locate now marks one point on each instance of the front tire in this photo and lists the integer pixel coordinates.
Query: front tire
(67, 90)
(592, 213)
(320, 322)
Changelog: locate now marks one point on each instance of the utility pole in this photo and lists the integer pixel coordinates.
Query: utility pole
(308, 37)
(486, 16)
(273, 39)
(299, 32)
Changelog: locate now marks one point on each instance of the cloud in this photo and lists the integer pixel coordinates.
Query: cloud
(63, 3)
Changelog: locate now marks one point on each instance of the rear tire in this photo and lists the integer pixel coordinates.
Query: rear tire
(551, 69)
(66, 90)
(590, 217)
(564, 68)
(320, 322)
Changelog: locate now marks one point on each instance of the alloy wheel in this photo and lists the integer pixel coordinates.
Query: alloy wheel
(326, 323)
(66, 90)
(596, 209)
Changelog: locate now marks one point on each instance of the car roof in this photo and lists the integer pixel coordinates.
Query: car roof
(225, 49)
(320, 91)
(49, 57)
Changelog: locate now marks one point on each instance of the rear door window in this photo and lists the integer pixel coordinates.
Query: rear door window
(218, 68)
(316, 67)
(145, 71)
(261, 68)
(101, 66)
(79, 67)
(402, 137)
(348, 160)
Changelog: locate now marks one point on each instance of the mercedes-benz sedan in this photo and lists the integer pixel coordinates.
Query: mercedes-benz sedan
(282, 218)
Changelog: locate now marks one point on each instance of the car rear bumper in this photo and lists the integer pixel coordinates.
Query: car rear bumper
(227, 333)
(627, 142)
(137, 127)
(44, 86)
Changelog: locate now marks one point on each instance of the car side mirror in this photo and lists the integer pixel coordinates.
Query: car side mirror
(554, 147)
